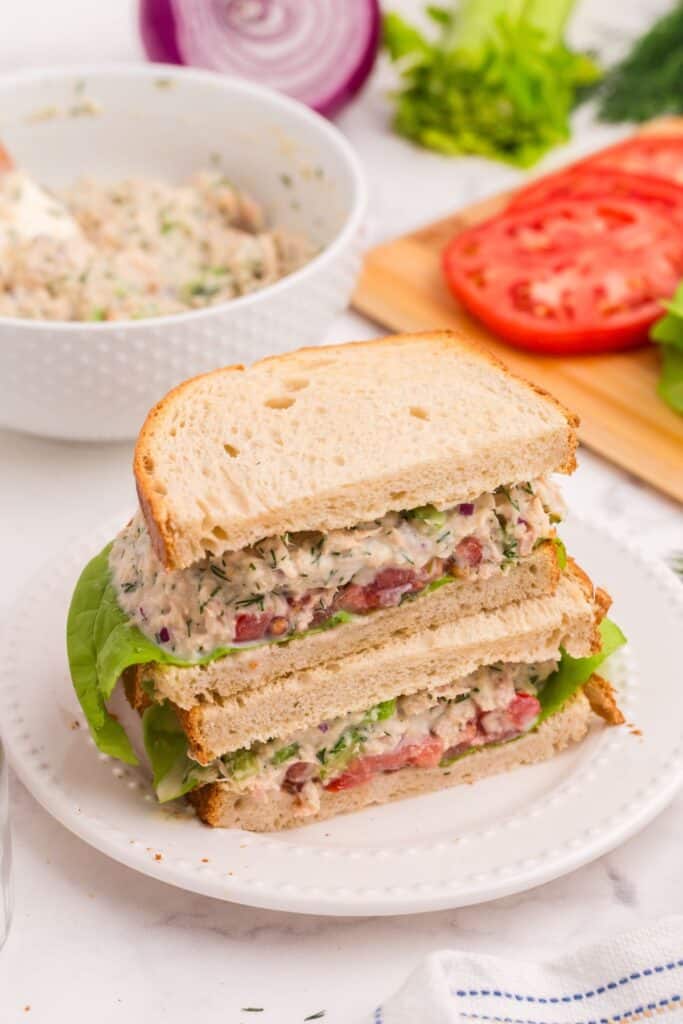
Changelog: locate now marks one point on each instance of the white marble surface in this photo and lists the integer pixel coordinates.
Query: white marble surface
(92, 940)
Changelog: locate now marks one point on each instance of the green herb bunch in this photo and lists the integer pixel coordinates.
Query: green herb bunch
(649, 81)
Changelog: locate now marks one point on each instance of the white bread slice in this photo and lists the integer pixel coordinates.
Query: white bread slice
(328, 437)
(533, 630)
(220, 806)
(535, 576)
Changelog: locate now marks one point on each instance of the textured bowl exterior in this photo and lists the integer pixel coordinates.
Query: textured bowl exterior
(96, 382)
(58, 383)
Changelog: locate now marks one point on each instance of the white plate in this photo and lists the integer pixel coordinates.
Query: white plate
(448, 849)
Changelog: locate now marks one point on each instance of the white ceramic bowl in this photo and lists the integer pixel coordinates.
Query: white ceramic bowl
(96, 381)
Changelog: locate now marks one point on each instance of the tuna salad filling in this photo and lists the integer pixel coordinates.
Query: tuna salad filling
(285, 585)
(136, 248)
(428, 729)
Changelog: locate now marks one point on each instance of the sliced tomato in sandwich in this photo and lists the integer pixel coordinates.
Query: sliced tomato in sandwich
(523, 709)
(426, 754)
(568, 276)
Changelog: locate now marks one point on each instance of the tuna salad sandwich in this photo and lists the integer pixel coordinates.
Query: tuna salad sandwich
(343, 580)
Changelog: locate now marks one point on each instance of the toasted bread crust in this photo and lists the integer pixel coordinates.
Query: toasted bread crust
(599, 598)
(132, 684)
(603, 701)
(152, 492)
(603, 602)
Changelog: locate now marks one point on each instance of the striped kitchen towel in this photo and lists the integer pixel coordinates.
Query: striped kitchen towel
(634, 977)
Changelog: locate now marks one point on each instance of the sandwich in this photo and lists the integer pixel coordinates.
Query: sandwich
(343, 585)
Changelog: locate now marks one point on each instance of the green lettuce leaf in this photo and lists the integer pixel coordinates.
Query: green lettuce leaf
(668, 333)
(670, 386)
(101, 644)
(174, 774)
(85, 624)
(572, 673)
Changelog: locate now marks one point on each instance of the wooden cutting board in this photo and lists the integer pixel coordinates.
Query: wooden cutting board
(622, 417)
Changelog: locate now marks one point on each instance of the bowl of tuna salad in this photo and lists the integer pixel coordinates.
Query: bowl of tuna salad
(156, 223)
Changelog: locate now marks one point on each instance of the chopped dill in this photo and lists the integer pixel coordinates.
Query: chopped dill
(247, 602)
(317, 550)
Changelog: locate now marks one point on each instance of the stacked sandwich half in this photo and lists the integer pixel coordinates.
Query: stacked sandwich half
(343, 585)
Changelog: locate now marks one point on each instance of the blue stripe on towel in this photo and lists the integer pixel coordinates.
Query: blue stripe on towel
(576, 996)
(616, 1018)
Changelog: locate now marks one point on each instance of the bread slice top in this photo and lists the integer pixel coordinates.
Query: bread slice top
(328, 437)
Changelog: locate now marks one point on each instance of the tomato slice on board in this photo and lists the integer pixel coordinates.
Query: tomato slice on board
(569, 276)
(591, 182)
(658, 156)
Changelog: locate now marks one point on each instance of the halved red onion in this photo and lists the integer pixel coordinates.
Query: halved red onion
(319, 51)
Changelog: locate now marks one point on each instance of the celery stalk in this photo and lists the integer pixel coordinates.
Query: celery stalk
(496, 79)
(549, 16)
(474, 21)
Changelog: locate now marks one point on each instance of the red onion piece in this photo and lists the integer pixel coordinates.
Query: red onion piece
(318, 51)
(466, 508)
(157, 28)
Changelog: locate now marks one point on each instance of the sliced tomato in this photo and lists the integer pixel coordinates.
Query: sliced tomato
(504, 723)
(589, 182)
(469, 552)
(569, 276)
(523, 709)
(390, 579)
(385, 591)
(658, 156)
(420, 755)
(251, 627)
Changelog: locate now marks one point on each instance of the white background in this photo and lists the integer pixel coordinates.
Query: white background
(93, 941)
